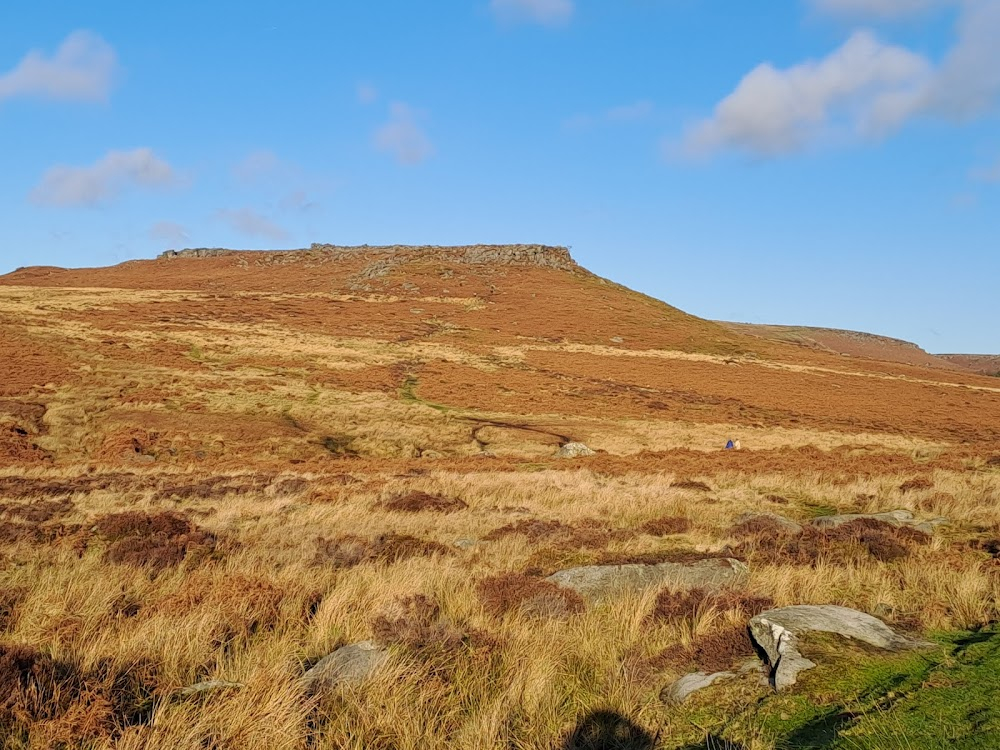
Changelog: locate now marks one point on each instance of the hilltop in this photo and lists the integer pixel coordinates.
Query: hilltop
(206, 354)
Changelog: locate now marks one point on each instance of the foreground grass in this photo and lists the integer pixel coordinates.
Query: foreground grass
(261, 592)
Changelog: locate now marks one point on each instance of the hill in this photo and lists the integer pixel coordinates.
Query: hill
(984, 364)
(209, 355)
(327, 499)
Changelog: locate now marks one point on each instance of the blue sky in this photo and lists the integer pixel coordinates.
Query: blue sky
(814, 162)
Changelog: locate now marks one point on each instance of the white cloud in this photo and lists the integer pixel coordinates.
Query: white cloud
(403, 137)
(776, 111)
(868, 86)
(103, 180)
(367, 93)
(545, 12)
(83, 68)
(249, 222)
(169, 231)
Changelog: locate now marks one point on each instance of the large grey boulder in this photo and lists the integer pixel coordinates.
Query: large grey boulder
(778, 631)
(679, 691)
(574, 450)
(348, 665)
(893, 517)
(597, 582)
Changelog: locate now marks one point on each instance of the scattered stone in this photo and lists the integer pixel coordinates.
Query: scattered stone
(894, 518)
(597, 582)
(207, 687)
(348, 665)
(777, 632)
(785, 524)
(574, 450)
(679, 691)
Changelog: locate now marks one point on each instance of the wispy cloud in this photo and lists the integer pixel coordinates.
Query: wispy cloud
(990, 173)
(256, 166)
(366, 93)
(249, 222)
(403, 137)
(82, 68)
(103, 180)
(867, 86)
(887, 9)
(544, 12)
(169, 231)
(634, 112)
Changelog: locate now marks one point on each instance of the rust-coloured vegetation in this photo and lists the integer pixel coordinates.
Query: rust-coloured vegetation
(535, 597)
(349, 550)
(764, 539)
(416, 502)
(154, 541)
(48, 702)
(666, 525)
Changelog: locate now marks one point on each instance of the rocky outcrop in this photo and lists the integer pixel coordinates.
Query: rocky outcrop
(894, 518)
(195, 252)
(386, 257)
(574, 450)
(778, 631)
(348, 665)
(598, 582)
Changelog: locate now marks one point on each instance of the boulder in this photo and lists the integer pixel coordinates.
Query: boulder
(894, 517)
(597, 582)
(679, 691)
(348, 665)
(574, 450)
(778, 631)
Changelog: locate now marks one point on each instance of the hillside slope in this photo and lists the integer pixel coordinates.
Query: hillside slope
(225, 356)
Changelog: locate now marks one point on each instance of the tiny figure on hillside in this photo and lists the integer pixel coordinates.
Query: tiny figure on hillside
(737, 445)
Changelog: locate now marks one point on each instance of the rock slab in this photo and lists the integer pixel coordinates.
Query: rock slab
(682, 689)
(597, 582)
(778, 631)
(348, 665)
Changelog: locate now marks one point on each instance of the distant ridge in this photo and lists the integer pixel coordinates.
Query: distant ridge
(544, 256)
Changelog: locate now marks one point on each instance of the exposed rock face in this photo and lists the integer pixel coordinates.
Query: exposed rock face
(348, 665)
(545, 256)
(597, 582)
(195, 252)
(777, 632)
(679, 691)
(574, 450)
(895, 517)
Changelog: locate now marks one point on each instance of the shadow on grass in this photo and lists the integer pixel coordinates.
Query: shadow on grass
(608, 730)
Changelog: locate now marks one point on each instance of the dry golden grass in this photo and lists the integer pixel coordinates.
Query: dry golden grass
(261, 608)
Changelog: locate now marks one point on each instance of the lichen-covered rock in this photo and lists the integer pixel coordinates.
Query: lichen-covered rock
(597, 582)
(679, 691)
(574, 450)
(348, 665)
(778, 631)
